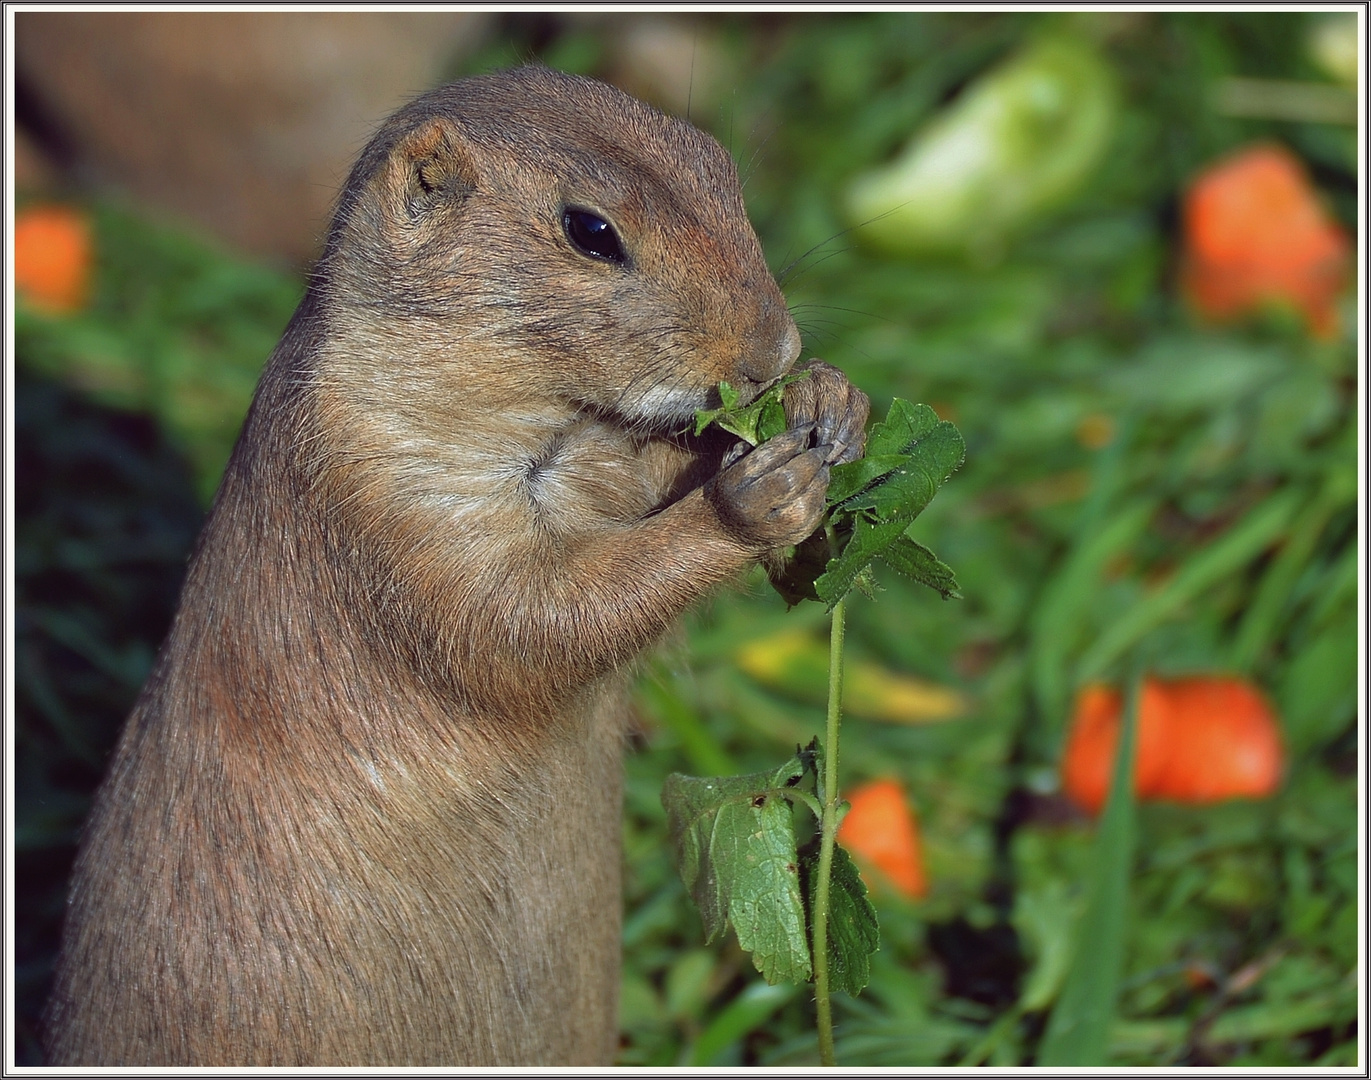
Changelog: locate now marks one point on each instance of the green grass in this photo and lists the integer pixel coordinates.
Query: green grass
(1216, 531)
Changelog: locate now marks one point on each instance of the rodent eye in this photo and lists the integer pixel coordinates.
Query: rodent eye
(592, 235)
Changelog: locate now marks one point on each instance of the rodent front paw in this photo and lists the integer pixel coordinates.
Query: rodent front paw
(836, 408)
(774, 495)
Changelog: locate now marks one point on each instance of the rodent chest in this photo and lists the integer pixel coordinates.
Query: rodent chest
(590, 473)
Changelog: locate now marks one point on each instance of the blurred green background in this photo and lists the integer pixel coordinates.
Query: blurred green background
(1143, 488)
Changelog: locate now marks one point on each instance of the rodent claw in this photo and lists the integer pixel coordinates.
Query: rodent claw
(836, 408)
(736, 453)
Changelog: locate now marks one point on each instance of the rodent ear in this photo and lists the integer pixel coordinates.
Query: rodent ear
(430, 165)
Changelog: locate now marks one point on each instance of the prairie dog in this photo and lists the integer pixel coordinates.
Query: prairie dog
(366, 810)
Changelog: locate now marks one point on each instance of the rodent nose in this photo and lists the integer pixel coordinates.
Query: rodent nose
(790, 347)
(765, 366)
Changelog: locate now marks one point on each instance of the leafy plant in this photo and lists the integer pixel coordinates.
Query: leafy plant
(802, 911)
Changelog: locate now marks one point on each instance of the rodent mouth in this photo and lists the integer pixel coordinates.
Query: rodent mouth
(668, 410)
(748, 390)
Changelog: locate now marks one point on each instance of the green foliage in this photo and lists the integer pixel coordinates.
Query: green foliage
(176, 328)
(871, 501)
(734, 839)
(1208, 526)
(735, 846)
(876, 498)
(915, 561)
(853, 934)
(1078, 1029)
(755, 422)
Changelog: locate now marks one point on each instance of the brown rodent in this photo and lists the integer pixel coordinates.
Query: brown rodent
(366, 810)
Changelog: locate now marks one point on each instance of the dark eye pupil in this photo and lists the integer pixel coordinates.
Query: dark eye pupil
(593, 235)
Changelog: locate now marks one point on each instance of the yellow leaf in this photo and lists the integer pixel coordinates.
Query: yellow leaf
(796, 664)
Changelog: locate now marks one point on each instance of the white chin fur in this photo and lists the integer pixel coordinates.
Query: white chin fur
(661, 406)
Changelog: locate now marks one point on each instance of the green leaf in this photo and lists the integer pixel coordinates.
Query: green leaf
(704, 417)
(1057, 619)
(1017, 142)
(748, 1011)
(909, 488)
(1318, 689)
(855, 477)
(865, 583)
(1275, 593)
(904, 425)
(915, 561)
(1078, 1029)
(1045, 916)
(866, 543)
(734, 840)
(853, 933)
(1227, 555)
(771, 417)
(763, 419)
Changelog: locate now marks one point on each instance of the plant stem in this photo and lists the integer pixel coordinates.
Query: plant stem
(828, 832)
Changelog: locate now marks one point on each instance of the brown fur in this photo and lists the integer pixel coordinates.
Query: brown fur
(366, 810)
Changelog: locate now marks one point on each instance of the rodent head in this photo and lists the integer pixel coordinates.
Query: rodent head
(594, 248)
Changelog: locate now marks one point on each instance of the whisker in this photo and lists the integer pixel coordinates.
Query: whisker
(792, 273)
(745, 174)
(833, 307)
(783, 276)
